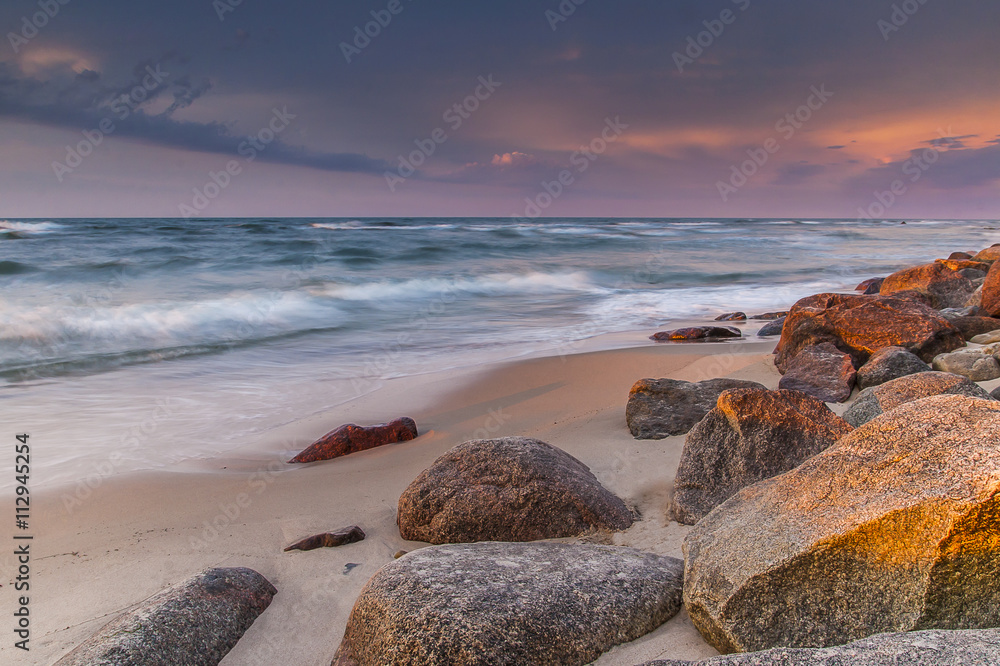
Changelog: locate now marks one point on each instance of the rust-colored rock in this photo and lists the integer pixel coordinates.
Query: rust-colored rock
(350, 438)
(861, 325)
(990, 254)
(732, 316)
(963, 264)
(512, 489)
(751, 435)
(822, 371)
(870, 286)
(342, 537)
(697, 333)
(770, 316)
(945, 287)
(991, 291)
(960, 256)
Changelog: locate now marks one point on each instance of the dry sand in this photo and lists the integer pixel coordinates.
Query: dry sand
(139, 533)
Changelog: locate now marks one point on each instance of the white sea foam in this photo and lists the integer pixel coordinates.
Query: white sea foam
(29, 227)
(533, 283)
(55, 330)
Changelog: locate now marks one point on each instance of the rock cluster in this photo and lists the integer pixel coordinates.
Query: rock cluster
(893, 528)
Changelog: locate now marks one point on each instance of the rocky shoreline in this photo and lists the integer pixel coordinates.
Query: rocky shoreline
(870, 535)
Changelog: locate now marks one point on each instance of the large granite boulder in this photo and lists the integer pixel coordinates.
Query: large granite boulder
(887, 364)
(991, 291)
(893, 528)
(512, 489)
(659, 408)
(878, 399)
(195, 623)
(350, 438)
(941, 283)
(861, 325)
(506, 603)
(822, 371)
(752, 435)
(908, 648)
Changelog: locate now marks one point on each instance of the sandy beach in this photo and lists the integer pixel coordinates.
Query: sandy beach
(139, 533)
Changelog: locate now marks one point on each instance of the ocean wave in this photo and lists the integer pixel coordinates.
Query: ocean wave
(533, 283)
(44, 334)
(29, 227)
(357, 225)
(15, 268)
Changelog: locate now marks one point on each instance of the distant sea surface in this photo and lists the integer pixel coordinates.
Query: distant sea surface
(168, 340)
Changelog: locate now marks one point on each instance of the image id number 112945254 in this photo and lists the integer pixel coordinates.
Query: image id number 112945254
(22, 541)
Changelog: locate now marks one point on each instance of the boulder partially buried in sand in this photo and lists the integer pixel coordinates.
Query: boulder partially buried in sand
(507, 603)
(909, 648)
(350, 438)
(752, 435)
(195, 623)
(861, 325)
(822, 371)
(697, 334)
(893, 528)
(887, 364)
(878, 399)
(512, 489)
(659, 408)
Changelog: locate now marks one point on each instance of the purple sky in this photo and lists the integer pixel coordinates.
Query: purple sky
(722, 108)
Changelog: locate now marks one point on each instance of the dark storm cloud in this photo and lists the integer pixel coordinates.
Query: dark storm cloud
(83, 102)
(606, 59)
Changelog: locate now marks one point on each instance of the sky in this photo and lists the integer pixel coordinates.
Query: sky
(521, 108)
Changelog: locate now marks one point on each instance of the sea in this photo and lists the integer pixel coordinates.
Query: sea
(151, 342)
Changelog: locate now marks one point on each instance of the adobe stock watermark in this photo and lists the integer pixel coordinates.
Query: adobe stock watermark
(249, 150)
(122, 107)
(562, 13)
(581, 160)
(363, 35)
(698, 44)
(223, 7)
(787, 127)
(31, 25)
(914, 169)
(455, 116)
(900, 16)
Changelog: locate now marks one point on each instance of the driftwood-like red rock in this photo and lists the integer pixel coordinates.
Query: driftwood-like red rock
(350, 438)
(336, 539)
(697, 333)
